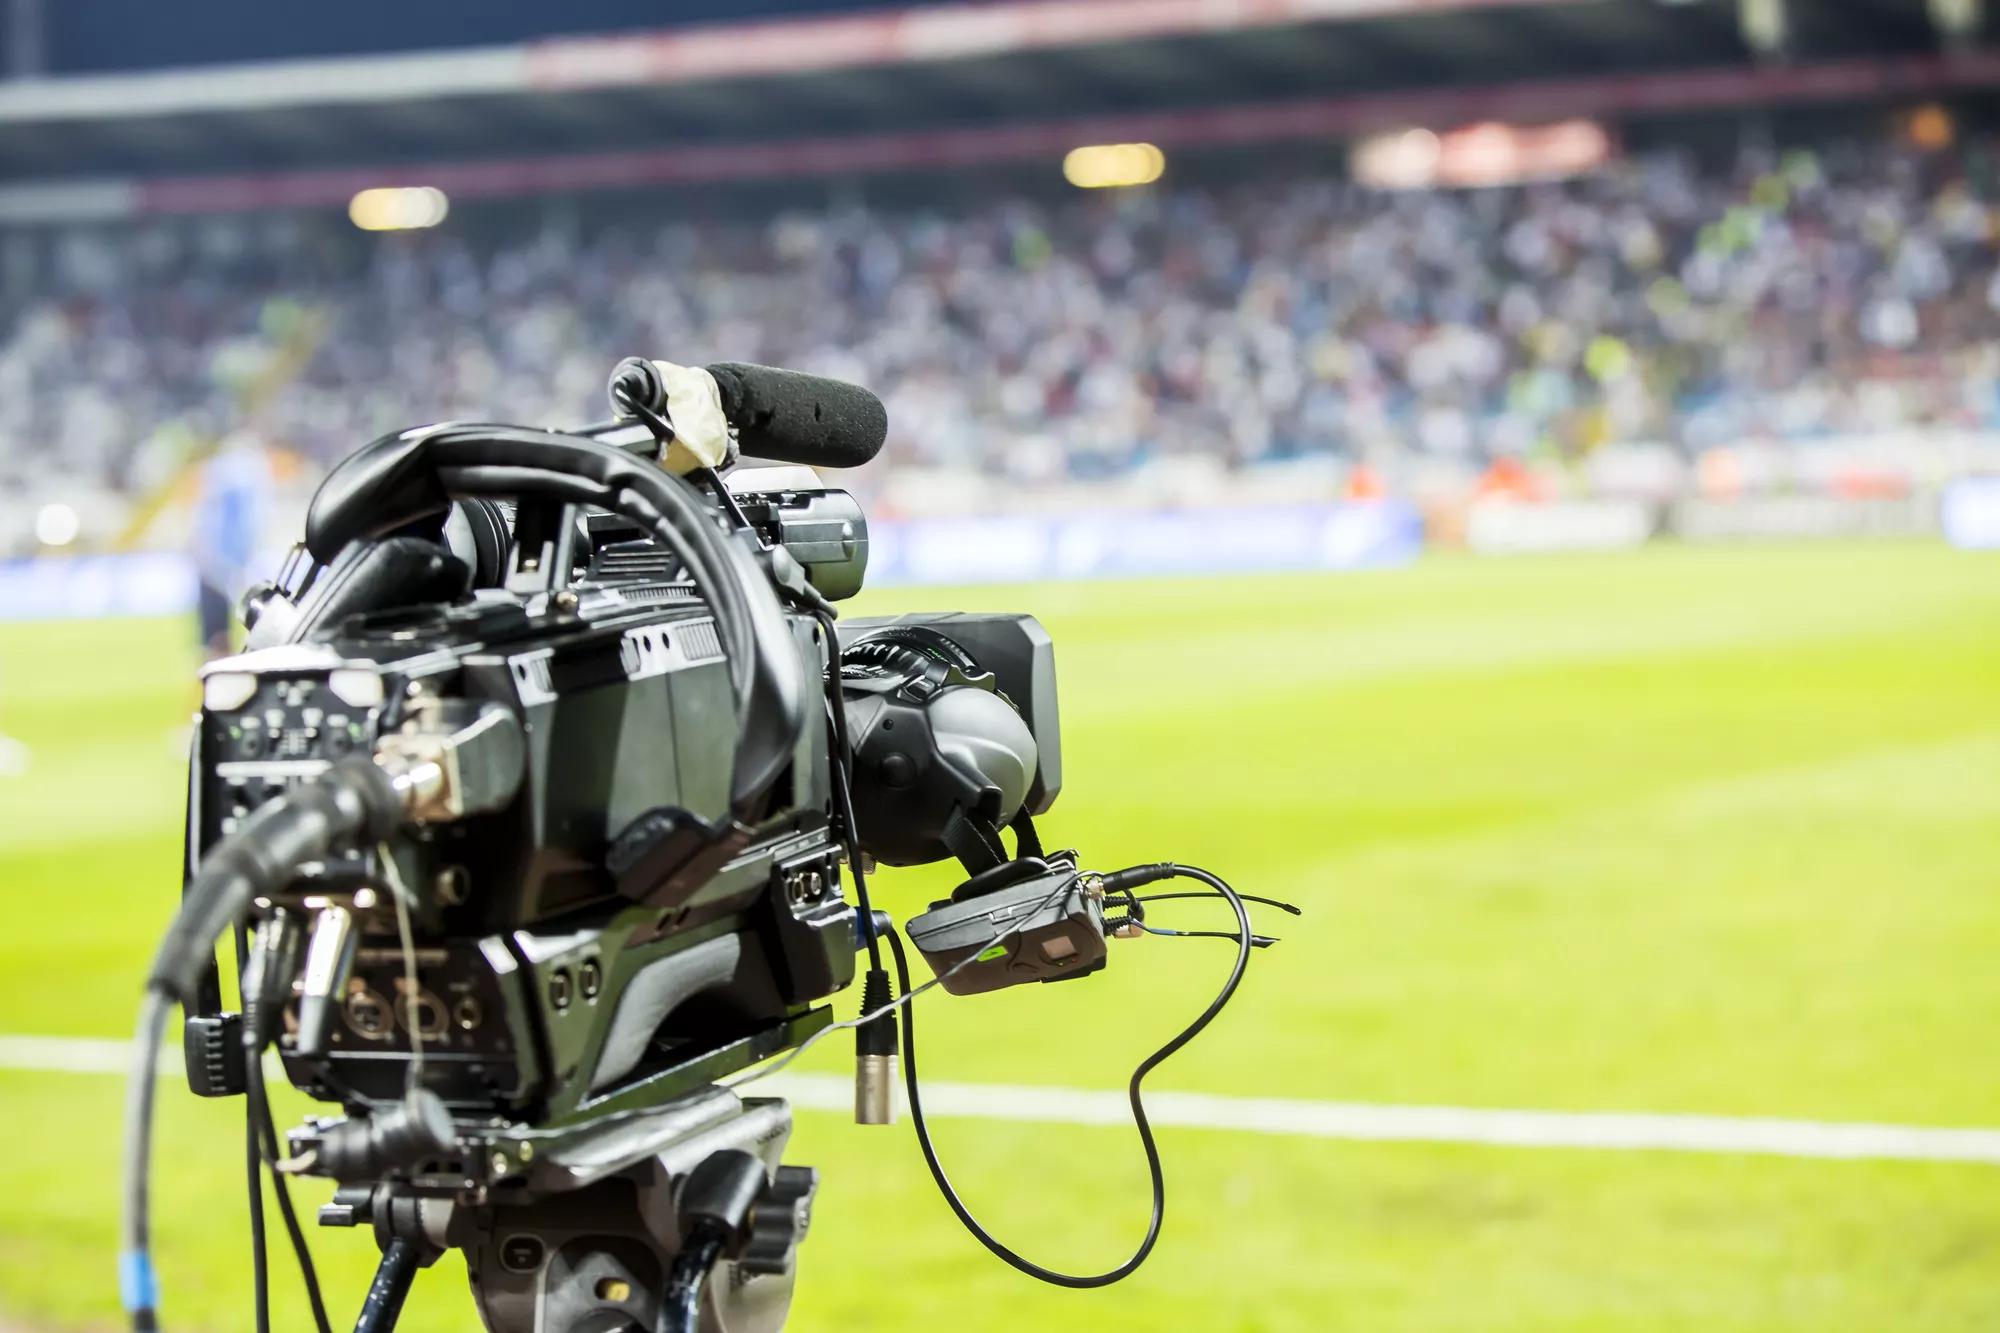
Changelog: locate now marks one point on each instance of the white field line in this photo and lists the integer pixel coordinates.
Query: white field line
(1628, 1131)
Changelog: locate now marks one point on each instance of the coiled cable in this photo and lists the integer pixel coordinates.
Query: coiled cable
(1244, 940)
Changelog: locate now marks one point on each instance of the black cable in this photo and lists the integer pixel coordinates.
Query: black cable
(843, 790)
(886, 1008)
(724, 497)
(268, 1131)
(478, 457)
(259, 1000)
(1206, 893)
(1145, 1128)
(253, 1170)
(260, 1261)
(138, 1287)
(661, 429)
(351, 797)
(680, 1311)
(1256, 941)
(709, 565)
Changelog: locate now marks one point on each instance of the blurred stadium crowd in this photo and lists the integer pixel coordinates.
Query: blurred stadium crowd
(1782, 295)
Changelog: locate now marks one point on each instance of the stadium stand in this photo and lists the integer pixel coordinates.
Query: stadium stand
(1775, 295)
(1794, 276)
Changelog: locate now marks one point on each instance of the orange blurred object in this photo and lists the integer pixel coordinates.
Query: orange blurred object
(1508, 479)
(1869, 484)
(1930, 128)
(1721, 474)
(1365, 483)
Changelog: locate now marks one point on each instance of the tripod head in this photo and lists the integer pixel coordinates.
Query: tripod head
(680, 1218)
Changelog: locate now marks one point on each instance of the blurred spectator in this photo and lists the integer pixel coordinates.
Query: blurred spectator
(1783, 297)
(227, 535)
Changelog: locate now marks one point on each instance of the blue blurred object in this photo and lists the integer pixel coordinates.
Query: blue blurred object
(1030, 547)
(1010, 548)
(1971, 513)
(82, 587)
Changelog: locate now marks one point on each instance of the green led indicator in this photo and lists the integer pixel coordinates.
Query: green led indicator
(997, 951)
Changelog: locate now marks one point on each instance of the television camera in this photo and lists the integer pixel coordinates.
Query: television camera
(540, 806)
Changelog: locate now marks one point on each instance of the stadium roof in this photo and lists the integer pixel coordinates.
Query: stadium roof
(967, 76)
(954, 64)
(807, 156)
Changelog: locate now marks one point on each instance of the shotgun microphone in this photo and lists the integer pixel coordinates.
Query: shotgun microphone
(790, 417)
(785, 416)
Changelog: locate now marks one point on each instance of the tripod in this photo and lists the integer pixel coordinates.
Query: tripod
(669, 1220)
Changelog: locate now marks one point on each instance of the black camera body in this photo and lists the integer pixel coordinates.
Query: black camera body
(534, 804)
(613, 934)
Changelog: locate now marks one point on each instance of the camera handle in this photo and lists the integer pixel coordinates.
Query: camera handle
(677, 1219)
(413, 475)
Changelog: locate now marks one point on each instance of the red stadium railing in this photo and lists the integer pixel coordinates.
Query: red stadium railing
(698, 54)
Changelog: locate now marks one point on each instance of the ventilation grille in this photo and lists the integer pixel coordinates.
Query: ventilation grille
(698, 641)
(635, 561)
(661, 592)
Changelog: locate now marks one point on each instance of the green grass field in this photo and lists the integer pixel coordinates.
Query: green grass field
(1681, 830)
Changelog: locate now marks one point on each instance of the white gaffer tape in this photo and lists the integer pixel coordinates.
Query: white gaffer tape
(1630, 1131)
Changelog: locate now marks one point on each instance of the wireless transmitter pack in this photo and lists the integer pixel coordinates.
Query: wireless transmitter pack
(1048, 928)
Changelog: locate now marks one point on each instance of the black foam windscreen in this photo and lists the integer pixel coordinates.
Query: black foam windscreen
(790, 417)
